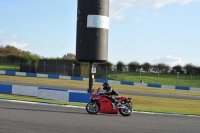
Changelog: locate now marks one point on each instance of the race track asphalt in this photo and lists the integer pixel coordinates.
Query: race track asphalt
(31, 118)
(120, 92)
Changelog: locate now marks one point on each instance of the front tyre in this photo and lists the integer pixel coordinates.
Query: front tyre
(92, 108)
(125, 111)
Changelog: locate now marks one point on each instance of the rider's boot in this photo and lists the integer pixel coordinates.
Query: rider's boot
(118, 104)
(113, 105)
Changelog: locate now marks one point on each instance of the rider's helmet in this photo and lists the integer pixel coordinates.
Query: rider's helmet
(105, 86)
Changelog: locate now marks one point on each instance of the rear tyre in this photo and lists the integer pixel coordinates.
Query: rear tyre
(92, 108)
(125, 111)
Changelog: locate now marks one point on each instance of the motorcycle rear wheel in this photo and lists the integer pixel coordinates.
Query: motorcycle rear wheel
(92, 108)
(126, 111)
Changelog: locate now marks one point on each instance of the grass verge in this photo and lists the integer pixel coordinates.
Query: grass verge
(166, 105)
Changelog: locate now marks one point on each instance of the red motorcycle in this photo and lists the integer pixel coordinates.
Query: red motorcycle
(100, 103)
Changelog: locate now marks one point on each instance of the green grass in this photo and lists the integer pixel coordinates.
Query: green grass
(166, 105)
(9, 67)
(164, 79)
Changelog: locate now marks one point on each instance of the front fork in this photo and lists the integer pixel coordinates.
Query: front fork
(94, 102)
(130, 103)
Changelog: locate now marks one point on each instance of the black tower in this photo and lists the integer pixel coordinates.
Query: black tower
(92, 32)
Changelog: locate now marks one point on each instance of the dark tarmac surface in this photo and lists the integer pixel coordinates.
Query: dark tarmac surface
(28, 118)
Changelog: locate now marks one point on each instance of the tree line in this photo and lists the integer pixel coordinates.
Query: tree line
(158, 68)
(11, 54)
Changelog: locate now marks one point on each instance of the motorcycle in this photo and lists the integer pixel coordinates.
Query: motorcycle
(100, 103)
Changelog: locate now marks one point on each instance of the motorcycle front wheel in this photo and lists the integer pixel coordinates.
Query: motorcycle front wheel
(125, 111)
(92, 108)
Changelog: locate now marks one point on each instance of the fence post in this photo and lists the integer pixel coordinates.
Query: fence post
(44, 66)
(56, 67)
(177, 78)
(191, 80)
(73, 69)
(15, 65)
(122, 76)
(106, 72)
(158, 76)
(64, 68)
(29, 66)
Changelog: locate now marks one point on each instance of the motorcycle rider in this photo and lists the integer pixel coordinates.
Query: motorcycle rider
(112, 94)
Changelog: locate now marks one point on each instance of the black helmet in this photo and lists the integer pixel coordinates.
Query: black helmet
(105, 86)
